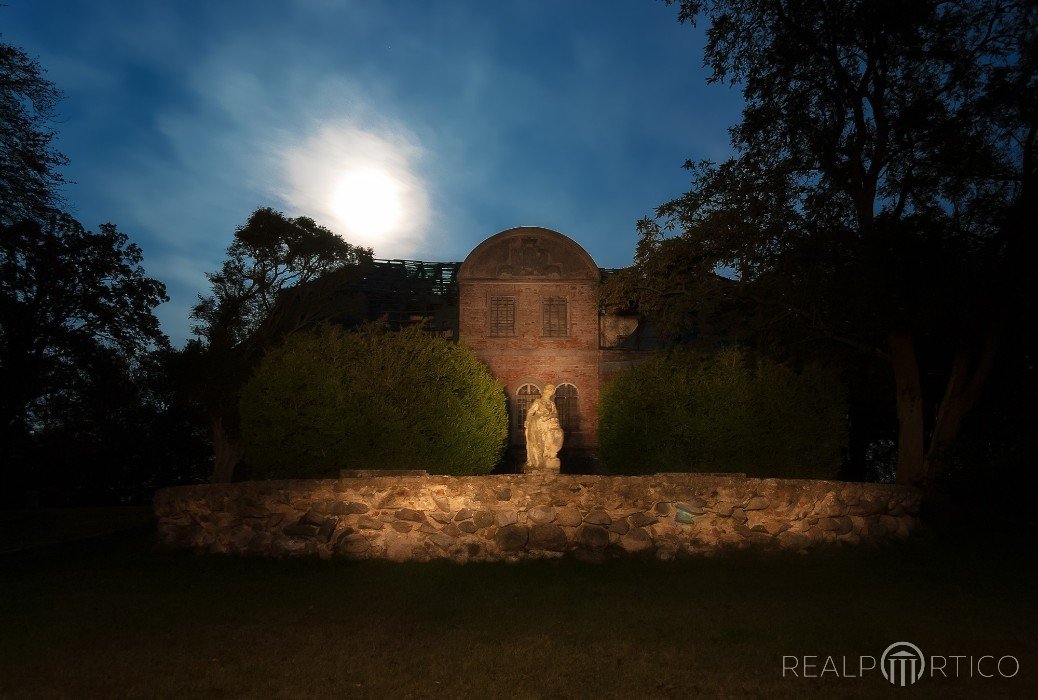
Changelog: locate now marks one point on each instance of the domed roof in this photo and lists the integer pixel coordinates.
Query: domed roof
(529, 253)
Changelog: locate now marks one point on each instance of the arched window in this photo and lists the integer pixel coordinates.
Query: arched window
(569, 408)
(524, 396)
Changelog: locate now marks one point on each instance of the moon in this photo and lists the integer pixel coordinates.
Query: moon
(369, 202)
(365, 185)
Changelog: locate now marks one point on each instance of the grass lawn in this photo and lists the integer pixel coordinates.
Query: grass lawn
(112, 616)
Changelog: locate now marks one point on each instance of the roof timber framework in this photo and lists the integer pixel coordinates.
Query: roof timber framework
(407, 292)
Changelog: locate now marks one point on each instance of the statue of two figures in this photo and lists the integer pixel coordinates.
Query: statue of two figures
(543, 433)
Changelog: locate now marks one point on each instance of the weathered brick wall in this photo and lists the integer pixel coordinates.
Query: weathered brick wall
(523, 516)
(529, 356)
(530, 264)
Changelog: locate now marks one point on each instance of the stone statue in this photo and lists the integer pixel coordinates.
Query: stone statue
(543, 433)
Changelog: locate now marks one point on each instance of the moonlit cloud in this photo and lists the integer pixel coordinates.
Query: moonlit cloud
(361, 184)
(418, 132)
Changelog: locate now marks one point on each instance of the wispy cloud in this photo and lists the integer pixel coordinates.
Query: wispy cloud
(418, 129)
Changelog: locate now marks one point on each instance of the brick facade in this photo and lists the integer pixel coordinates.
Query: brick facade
(505, 287)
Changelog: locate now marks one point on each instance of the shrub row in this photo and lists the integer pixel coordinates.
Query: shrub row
(375, 399)
(723, 412)
(371, 399)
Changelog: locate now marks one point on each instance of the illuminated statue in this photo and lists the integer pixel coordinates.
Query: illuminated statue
(543, 433)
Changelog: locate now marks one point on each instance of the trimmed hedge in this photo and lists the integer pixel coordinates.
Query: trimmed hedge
(687, 411)
(371, 399)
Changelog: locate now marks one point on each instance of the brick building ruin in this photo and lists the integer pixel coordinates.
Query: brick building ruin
(526, 300)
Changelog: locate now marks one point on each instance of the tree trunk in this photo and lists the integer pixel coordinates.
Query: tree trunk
(910, 419)
(962, 392)
(227, 452)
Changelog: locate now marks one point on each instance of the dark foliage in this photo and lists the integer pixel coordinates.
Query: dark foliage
(281, 275)
(371, 399)
(29, 164)
(71, 303)
(723, 412)
(84, 418)
(882, 196)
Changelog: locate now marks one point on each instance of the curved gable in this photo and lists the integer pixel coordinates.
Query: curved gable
(529, 253)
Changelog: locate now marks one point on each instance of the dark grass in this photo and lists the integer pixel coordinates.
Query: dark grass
(114, 617)
(35, 527)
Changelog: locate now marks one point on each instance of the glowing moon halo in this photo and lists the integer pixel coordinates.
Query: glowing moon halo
(369, 201)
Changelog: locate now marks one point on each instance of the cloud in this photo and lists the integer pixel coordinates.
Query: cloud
(361, 182)
(253, 134)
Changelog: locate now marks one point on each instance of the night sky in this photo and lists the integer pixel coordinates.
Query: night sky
(417, 128)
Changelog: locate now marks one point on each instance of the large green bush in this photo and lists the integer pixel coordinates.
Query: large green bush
(371, 399)
(723, 412)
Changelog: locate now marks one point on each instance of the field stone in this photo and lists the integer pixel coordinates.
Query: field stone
(598, 517)
(844, 525)
(793, 540)
(642, 519)
(327, 529)
(684, 517)
(511, 538)
(398, 549)
(415, 516)
(483, 519)
(889, 523)
(636, 540)
(441, 518)
(541, 514)
(401, 526)
(352, 544)
(776, 527)
(875, 527)
(756, 503)
(442, 503)
(505, 517)
(690, 507)
(467, 526)
(366, 522)
(568, 517)
(463, 514)
(828, 524)
(619, 526)
(452, 530)
(350, 508)
(549, 537)
(300, 530)
(312, 517)
(593, 537)
(441, 540)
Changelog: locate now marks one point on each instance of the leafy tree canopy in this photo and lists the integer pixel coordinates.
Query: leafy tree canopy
(880, 195)
(281, 275)
(72, 302)
(29, 164)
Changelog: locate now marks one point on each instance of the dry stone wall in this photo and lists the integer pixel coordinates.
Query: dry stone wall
(512, 517)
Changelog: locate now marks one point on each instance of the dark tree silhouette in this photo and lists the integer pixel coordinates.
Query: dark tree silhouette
(76, 310)
(882, 194)
(29, 164)
(281, 275)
